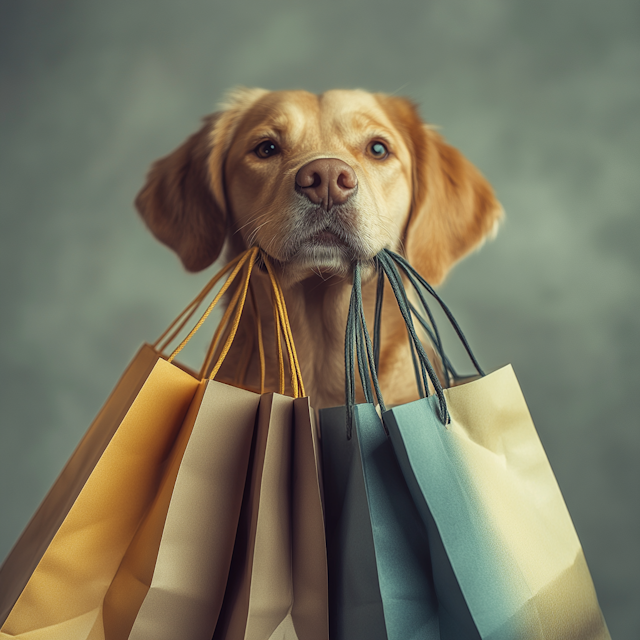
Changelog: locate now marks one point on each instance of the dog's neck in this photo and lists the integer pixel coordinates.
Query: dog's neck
(318, 314)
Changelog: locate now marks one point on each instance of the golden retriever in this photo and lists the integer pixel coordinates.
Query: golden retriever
(318, 182)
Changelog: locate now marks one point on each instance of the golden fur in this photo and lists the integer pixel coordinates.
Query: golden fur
(423, 198)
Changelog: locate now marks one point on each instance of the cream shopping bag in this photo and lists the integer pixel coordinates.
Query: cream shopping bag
(277, 586)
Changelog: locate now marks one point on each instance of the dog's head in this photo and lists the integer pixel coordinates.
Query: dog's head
(318, 181)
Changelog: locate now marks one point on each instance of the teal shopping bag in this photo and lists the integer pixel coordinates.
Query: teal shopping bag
(380, 579)
(507, 562)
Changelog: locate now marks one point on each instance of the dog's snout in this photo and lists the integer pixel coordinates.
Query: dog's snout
(327, 181)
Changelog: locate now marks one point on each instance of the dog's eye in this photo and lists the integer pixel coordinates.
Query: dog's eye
(378, 150)
(266, 149)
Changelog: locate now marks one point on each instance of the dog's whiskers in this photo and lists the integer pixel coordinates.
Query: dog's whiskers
(252, 219)
(254, 233)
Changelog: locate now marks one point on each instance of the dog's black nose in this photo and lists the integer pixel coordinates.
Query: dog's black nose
(327, 181)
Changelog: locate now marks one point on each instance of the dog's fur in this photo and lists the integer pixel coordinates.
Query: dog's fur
(423, 198)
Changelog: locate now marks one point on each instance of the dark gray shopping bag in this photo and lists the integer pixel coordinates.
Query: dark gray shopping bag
(380, 579)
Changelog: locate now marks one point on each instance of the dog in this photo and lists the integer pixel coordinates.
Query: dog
(319, 182)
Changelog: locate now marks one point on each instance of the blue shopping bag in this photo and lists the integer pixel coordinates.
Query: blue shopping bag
(507, 563)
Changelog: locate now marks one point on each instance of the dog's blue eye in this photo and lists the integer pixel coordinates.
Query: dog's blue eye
(378, 150)
(266, 149)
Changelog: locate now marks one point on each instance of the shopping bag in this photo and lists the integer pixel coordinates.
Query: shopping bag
(29, 549)
(380, 578)
(103, 526)
(64, 593)
(310, 608)
(507, 562)
(277, 585)
(191, 563)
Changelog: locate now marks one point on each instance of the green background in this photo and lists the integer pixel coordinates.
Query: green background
(543, 96)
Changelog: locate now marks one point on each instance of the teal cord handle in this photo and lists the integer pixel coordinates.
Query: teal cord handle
(360, 348)
(397, 287)
(414, 276)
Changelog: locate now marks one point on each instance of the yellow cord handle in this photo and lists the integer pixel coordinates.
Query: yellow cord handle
(192, 307)
(230, 321)
(280, 309)
(248, 255)
(249, 346)
(279, 353)
(236, 320)
(256, 314)
(223, 328)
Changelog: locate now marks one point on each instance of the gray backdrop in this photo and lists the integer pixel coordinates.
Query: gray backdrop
(543, 95)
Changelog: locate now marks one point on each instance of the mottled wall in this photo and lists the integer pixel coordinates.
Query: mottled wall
(543, 95)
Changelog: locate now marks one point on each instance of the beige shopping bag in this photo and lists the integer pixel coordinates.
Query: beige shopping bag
(183, 598)
(309, 554)
(277, 586)
(507, 561)
(98, 532)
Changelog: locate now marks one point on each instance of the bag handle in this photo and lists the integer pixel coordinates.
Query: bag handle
(180, 322)
(431, 330)
(358, 342)
(358, 346)
(419, 283)
(430, 327)
(297, 385)
(222, 331)
(246, 258)
(250, 345)
(426, 368)
(228, 326)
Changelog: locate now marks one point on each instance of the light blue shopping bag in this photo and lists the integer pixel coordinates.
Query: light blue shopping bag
(507, 562)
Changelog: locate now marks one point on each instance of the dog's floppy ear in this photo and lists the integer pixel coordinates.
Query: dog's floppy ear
(183, 200)
(453, 208)
(178, 205)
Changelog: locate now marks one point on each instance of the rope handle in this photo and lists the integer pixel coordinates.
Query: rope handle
(222, 330)
(425, 364)
(388, 263)
(248, 256)
(358, 344)
(240, 268)
(179, 323)
(239, 308)
(419, 283)
(359, 347)
(280, 305)
(430, 327)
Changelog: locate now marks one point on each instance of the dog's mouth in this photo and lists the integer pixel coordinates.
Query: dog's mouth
(323, 242)
(328, 238)
(318, 232)
(325, 252)
(331, 248)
